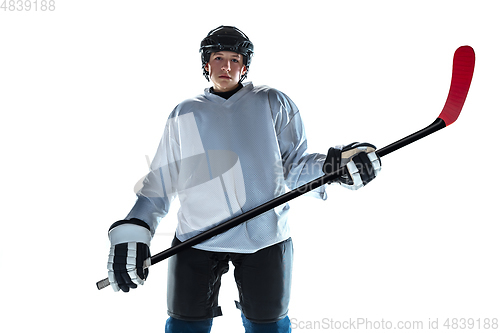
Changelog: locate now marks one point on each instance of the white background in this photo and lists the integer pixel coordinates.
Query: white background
(84, 94)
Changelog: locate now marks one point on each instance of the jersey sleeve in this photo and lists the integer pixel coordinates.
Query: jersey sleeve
(159, 186)
(299, 166)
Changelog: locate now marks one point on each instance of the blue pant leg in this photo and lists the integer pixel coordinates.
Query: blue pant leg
(282, 326)
(182, 326)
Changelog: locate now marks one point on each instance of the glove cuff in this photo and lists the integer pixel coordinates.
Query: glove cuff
(332, 161)
(126, 231)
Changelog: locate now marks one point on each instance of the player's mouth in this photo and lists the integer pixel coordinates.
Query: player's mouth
(227, 77)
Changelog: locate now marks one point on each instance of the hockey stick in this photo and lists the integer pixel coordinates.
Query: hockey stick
(463, 68)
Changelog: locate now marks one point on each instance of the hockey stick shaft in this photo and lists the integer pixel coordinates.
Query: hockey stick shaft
(225, 226)
(463, 67)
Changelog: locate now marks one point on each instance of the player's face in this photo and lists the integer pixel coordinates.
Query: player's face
(225, 69)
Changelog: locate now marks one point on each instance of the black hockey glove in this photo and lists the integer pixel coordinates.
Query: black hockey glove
(362, 163)
(129, 255)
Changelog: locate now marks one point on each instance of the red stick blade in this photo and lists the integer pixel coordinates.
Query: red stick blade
(463, 68)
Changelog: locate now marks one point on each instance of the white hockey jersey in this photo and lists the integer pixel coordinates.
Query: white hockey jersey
(224, 157)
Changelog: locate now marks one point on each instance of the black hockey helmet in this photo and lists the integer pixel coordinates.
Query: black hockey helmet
(226, 38)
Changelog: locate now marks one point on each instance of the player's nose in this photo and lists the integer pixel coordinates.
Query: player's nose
(226, 66)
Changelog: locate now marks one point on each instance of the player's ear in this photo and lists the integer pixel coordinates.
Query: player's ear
(244, 70)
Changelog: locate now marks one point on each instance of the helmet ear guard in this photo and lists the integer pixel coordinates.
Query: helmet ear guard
(226, 38)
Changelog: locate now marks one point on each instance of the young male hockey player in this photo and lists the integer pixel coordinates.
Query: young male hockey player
(222, 153)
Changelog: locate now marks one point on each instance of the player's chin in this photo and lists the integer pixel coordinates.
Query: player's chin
(225, 82)
(226, 85)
